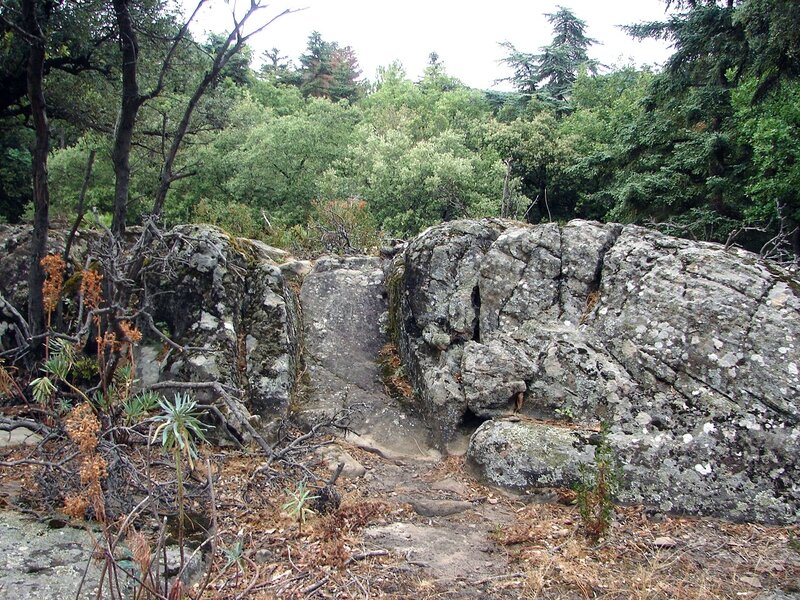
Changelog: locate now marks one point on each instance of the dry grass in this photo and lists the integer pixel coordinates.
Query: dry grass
(550, 555)
(696, 558)
(394, 376)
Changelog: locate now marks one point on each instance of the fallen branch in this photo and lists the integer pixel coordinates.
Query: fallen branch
(496, 577)
(315, 586)
(7, 424)
(42, 463)
(363, 555)
(241, 417)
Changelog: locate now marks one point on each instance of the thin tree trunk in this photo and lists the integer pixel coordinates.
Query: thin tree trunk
(129, 108)
(167, 174)
(81, 205)
(41, 193)
(506, 210)
(235, 42)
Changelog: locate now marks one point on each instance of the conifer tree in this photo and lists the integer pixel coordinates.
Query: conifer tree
(551, 73)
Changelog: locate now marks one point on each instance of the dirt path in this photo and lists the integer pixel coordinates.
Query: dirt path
(453, 537)
(446, 525)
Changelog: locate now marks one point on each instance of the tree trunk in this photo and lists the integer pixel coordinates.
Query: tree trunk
(167, 172)
(506, 209)
(131, 101)
(41, 193)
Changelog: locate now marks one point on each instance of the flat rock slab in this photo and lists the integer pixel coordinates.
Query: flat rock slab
(344, 314)
(446, 552)
(41, 563)
(439, 508)
(21, 435)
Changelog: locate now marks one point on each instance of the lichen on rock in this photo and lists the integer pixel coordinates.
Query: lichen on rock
(685, 350)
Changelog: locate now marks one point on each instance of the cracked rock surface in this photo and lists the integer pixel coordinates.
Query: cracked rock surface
(344, 315)
(227, 300)
(687, 352)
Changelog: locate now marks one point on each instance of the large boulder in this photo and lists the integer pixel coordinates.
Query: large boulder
(224, 299)
(686, 351)
(227, 302)
(14, 267)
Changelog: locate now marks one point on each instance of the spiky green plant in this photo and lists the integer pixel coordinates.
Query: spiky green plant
(136, 407)
(235, 554)
(179, 428)
(57, 367)
(297, 505)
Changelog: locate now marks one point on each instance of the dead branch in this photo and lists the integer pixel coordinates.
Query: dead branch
(363, 555)
(22, 330)
(7, 424)
(241, 419)
(81, 210)
(42, 463)
(214, 539)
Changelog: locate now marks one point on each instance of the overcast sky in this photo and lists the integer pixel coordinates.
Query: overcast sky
(464, 34)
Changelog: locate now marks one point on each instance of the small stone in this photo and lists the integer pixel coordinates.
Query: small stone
(752, 581)
(450, 485)
(263, 556)
(20, 435)
(664, 542)
(439, 508)
(352, 468)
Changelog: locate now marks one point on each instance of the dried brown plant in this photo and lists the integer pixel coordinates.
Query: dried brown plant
(82, 427)
(54, 267)
(91, 292)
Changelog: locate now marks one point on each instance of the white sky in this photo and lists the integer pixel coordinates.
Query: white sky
(465, 34)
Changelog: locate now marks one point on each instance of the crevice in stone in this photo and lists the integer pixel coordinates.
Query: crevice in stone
(759, 302)
(476, 320)
(560, 276)
(597, 280)
(470, 422)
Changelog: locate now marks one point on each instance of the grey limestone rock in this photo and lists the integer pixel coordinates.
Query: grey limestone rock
(521, 455)
(687, 351)
(224, 298)
(228, 301)
(345, 320)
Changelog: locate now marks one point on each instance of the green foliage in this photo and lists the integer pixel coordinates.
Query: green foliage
(136, 407)
(411, 185)
(343, 227)
(235, 555)
(66, 170)
(297, 505)
(236, 218)
(595, 492)
(43, 390)
(550, 74)
(772, 129)
(61, 359)
(567, 412)
(700, 149)
(327, 71)
(179, 426)
(15, 171)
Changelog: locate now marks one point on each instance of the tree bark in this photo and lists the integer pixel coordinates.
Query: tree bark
(234, 43)
(129, 108)
(41, 193)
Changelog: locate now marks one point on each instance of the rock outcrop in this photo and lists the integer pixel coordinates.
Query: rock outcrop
(344, 317)
(686, 351)
(226, 299)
